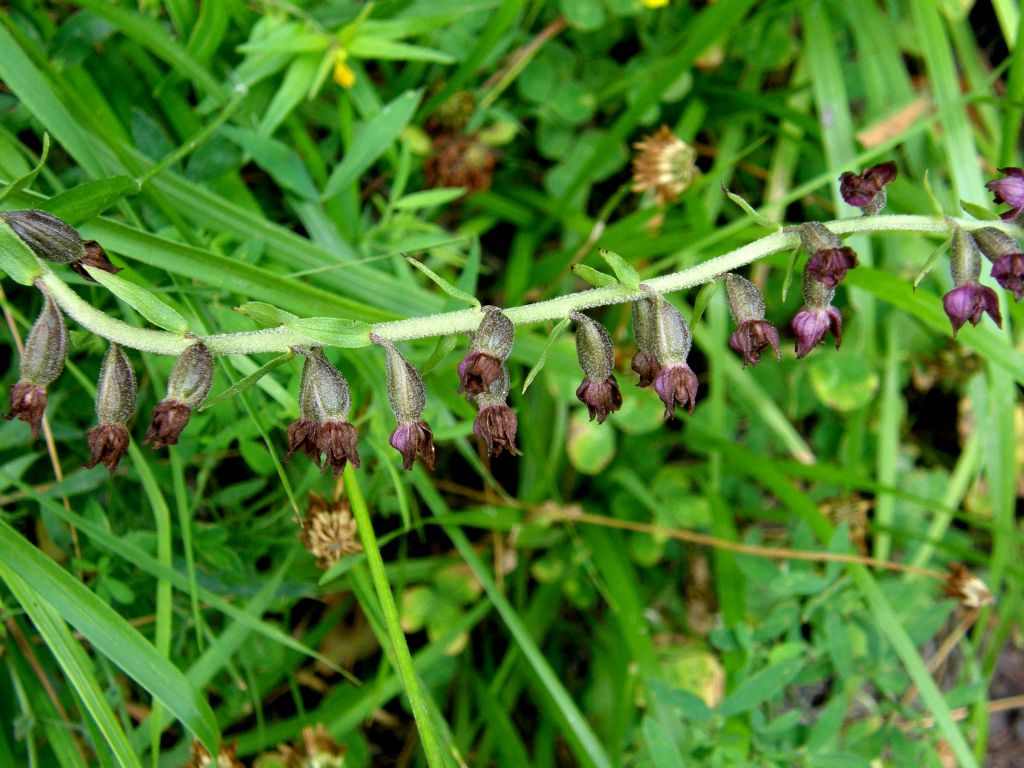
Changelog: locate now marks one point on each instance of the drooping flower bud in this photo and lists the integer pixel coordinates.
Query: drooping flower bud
(489, 347)
(42, 361)
(969, 299)
(115, 405)
(495, 422)
(829, 259)
(1006, 257)
(817, 317)
(188, 385)
(407, 396)
(675, 383)
(753, 333)
(1009, 190)
(54, 240)
(599, 390)
(645, 362)
(322, 426)
(866, 190)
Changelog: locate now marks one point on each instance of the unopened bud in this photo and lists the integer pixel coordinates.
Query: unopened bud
(54, 240)
(322, 426)
(407, 396)
(829, 259)
(1006, 257)
(489, 347)
(42, 361)
(187, 386)
(645, 362)
(753, 333)
(969, 300)
(599, 390)
(46, 347)
(672, 337)
(115, 405)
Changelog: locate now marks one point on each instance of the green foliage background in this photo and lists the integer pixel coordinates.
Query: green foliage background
(212, 152)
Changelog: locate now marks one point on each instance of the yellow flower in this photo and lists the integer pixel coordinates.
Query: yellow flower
(343, 74)
(655, 3)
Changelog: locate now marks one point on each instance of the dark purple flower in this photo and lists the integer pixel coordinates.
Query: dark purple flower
(338, 441)
(412, 440)
(676, 385)
(810, 326)
(169, 419)
(28, 403)
(646, 366)
(108, 444)
(968, 302)
(322, 426)
(601, 397)
(302, 437)
(1008, 271)
(830, 265)
(752, 337)
(867, 189)
(496, 425)
(477, 372)
(1009, 190)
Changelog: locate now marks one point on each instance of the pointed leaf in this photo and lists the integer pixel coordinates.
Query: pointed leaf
(930, 261)
(623, 269)
(25, 181)
(141, 300)
(333, 331)
(445, 345)
(757, 217)
(443, 284)
(370, 47)
(557, 331)
(787, 281)
(936, 205)
(979, 211)
(593, 276)
(704, 297)
(87, 201)
(265, 314)
(247, 382)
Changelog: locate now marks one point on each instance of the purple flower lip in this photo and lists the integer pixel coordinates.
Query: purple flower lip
(28, 403)
(412, 440)
(867, 189)
(751, 338)
(646, 365)
(676, 385)
(1008, 271)
(811, 325)
(496, 425)
(830, 265)
(477, 371)
(968, 303)
(108, 444)
(601, 397)
(1009, 190)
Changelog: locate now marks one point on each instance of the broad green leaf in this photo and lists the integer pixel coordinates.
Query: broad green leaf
(371, 47)
(760, 687)
(593, 276)
(333, 331)
(247, 382)
(296, 86)
(73, 661)
(86, 201)
(623, 270)
(280, 161)
(26, 181)
(747, 209)
(141, 300)
(16, 258)
(110, 634)
(591, 446)
(428, 198)
(844, 382)
(443, 284)
(265, 314)
(372, 141)
(557, 331)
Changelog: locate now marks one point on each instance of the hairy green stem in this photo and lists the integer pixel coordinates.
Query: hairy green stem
(282, 338)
